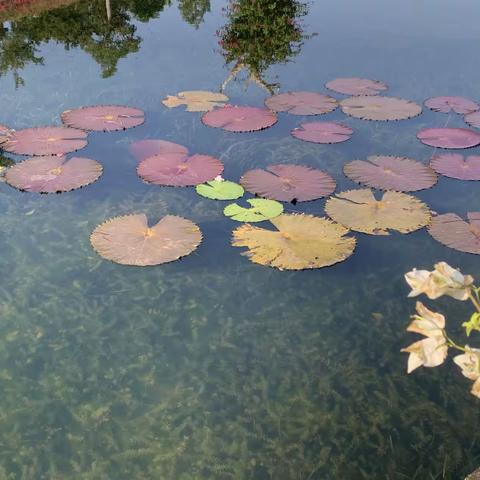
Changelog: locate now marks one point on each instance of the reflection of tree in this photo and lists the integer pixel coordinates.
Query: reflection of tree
(193, 11)
(261, 33)
(103, 28)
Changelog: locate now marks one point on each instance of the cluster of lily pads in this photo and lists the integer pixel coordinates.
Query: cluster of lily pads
(299, 241)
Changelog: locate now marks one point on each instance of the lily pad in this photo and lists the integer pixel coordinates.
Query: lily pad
(299, 242)
(356, 86)
(302, 103)
(148, 148)
(288, 183)
(240, 119)
(391, 173)
(220, 190)
(4, 133)
(196, 100)
(449, 137)
(449, 104)
(45, 141)
(53, 174)
(322, 132)
(129, 240)
(259, 211)
(380, 108)
(455, 165)
(473, 119)
(454, 232)
(359, 210)
(106, 118)
(178, 170)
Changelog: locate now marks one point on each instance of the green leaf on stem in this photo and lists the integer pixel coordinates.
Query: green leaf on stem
(472, 324)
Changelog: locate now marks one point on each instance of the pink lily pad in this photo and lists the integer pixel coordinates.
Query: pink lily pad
(239, 119)
(449, 137)
(288, 183)
(455, 165)
(148, 148)
(179, 170)
(356, 86)
(454, 232)
(45, 141)
(4, 133)
(53, 174)
(302, 103)
(322, 132)
(106, 118)
(473, 119)
(451, 104)
(391, 173)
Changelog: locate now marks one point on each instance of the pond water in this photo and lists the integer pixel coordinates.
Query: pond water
(215, 368)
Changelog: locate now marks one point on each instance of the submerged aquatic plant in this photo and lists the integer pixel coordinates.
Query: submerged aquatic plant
(432, 351)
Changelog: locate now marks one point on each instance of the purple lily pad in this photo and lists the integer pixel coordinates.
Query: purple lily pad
(455, 165)
(106, 118)
(451, 104)
(473, 119)
(288, 183)
(449, 137)
(356, 86)
(148, 148)
(53, 174)
(45, 141)
(322, 132)
(179, 170)
(302, 103)
(454, 232)
(239, 119)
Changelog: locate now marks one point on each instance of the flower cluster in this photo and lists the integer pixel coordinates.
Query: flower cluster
(432, 350)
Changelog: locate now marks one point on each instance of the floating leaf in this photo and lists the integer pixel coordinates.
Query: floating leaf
(356, 86)
(391, 173)
(360, 211)
(322, 132)
(454, 232)
(455, 165)
(45, 141)
(196, 100)
(129, 240)
(259, 211)
(220, 190)
(302, 103)
(449, 104)
(148, 148)
(380, 108)
(299, 242)
(288, 183)
(473, 119)
(449, 137)
(240, 119)
(106, 118)
(177, 170)
(53, 174)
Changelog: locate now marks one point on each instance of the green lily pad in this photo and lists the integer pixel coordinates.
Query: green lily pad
(260, 210)
(220, 190)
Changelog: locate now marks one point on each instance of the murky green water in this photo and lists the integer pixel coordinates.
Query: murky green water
(213, 368)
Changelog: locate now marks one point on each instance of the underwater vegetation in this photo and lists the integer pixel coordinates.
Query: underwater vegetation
(214, 367)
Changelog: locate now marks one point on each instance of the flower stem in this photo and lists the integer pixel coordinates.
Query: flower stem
(474, 300)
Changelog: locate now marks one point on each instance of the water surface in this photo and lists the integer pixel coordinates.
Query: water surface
(213, 368)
